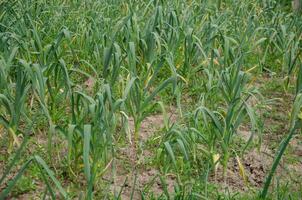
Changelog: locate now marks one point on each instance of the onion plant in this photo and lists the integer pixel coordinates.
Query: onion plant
(87, 67)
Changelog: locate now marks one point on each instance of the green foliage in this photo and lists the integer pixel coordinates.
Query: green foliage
(82, 70)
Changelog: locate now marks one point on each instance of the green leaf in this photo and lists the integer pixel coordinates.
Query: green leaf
(170, 152)
(182, 148)
(50, 173)
(86, 150)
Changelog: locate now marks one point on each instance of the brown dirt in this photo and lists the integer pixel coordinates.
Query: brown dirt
(146, 178)
(277, 127)
(152, 123)
(256, 164)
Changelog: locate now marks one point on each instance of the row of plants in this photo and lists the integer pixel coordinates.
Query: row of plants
(79, 70)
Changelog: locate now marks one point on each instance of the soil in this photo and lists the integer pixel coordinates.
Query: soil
(146, 178)
(256, 162)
